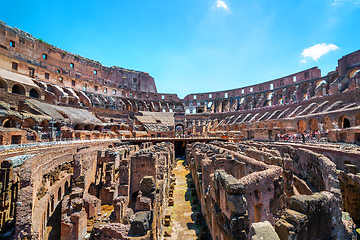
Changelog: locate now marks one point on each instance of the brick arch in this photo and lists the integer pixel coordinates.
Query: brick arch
(11, 122)
(34, 93)
(344, 122)
(18, 89)
(304, 91)
(301, 126)
(313, 125)
(225, 105)
(353, 72)
(179, 107)
(52, 202)
(270, 124)
(4, 84)
(59, 194)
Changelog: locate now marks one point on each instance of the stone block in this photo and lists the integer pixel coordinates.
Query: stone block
(263, 231)
(309, 204)
(140, 223)
(236, 203)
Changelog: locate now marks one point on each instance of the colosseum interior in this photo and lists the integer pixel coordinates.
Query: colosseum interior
(95, 152)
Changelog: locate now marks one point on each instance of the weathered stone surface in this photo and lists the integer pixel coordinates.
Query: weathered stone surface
(140, 223)
(147, 186)
(309, 204)
(263, 231)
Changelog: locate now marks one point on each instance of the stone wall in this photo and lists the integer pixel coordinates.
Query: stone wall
(258, 185)
(240, 184)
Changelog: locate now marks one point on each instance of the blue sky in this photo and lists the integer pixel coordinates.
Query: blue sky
(192, 46)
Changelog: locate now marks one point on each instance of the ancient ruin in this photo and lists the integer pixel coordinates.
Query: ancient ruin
(95, 152)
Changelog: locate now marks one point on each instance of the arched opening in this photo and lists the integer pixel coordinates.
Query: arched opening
(3, 84)
(59, 194)
(66, 186)
(52, 204)
(179, 130)
(34, 93)
(357, 119)
(354, 72)
(200, 111)
(78, 127)
(346, 123)
(179, 107)
(28, 123)
(18, 89)
(269, 99)
(115, 128)
(187, 111)
(48, 211)
(301, 126)
(89, 127)
(313, 125)
(11, 122)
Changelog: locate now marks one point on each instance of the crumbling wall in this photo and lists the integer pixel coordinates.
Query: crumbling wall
(259, 187)
(134, 183)
(271, 177)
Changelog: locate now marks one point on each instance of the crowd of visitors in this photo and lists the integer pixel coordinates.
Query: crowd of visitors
(307, 136)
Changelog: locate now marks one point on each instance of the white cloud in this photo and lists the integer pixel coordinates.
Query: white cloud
(337, 2)
(316, 51)
(222, 4)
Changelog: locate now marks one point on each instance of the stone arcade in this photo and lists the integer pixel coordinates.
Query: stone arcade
(92, 152)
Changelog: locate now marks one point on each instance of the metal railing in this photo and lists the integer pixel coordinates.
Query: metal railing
(50, 143)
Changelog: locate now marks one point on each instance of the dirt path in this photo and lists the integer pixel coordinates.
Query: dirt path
(182, 214)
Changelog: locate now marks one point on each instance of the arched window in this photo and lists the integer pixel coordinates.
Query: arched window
(18, 89)
(346, 123)
(34, 93)
(59, 194)
(3, 84)
(66, 186)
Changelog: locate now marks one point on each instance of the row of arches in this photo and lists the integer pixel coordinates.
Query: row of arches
(20, 89)
(53, 202)
(289, 94)
(326, 124)
(16, 122)
(134, 105)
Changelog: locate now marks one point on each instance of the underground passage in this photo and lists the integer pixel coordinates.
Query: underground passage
(95, 152)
